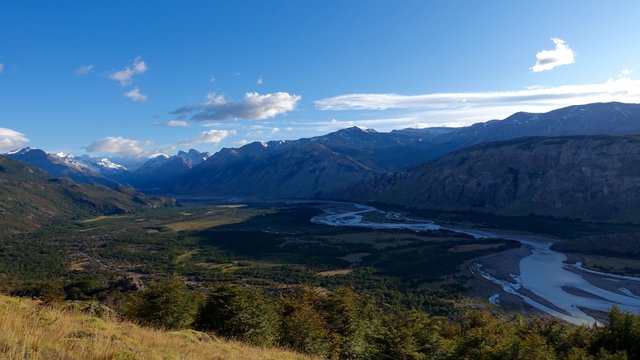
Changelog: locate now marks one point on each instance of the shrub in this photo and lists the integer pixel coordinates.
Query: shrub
(166, 304)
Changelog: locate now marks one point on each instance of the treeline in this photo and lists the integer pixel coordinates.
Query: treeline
(342, 324)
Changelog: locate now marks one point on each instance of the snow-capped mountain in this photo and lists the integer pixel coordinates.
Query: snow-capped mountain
(163, 169)
(61, 165)
(101, 165)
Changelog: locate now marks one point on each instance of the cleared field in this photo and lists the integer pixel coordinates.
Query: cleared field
(338, 272)
(101, 218)
(213, 218)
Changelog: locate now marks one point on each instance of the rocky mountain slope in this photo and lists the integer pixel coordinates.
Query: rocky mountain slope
(298, 171)
(30, 197)
(585, 177)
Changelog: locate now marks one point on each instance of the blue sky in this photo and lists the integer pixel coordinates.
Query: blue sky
(136, 78)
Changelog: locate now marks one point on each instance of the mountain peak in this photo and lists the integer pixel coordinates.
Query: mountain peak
(20, 151)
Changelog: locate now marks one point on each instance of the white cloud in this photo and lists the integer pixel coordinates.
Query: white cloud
(549, 59)
(275, 130)
(135, 95)
(84, 69)
(125, 76)
(11, 139)
(175, 123)
(208, 137)
(1, 68)
(470, 107)
(252, 107)
(121, 146)
(289, 129)
(259, 81)
(241, 143)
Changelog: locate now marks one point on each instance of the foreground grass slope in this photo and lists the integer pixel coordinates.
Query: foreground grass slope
(31, 330)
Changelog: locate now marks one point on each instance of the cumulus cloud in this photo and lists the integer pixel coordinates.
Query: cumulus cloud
(11, 139)
(175, 123)
(84, 70)
(253, 106)
(469, 107)
(549, 59)
(120, 146)
(135, 95)
(125, 76)
(208, 137)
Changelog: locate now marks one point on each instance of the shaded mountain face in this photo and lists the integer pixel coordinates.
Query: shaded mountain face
(303, 171)
(163, 169)
(585, 177)
(30, 197)
(60, 165)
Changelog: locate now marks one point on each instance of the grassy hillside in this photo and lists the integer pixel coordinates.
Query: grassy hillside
(30, 198)
(30, 330)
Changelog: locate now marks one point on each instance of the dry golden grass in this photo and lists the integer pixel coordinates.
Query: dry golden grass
(338, 272)
(30, 330)
(104, 217)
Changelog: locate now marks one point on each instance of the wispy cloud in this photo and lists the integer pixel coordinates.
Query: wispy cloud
(125, 76)
(259, 81)
(84, 69)
(11, 139)
(135, 95)
(252, 107)
(549, 59)
(175, 123)
(121, 146)
(208, 137)
(480, 106)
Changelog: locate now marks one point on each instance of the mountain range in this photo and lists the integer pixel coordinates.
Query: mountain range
(333, 165)
(445, 168)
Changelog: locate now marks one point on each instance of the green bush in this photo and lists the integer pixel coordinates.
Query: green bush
(167, 304)
(239, 313)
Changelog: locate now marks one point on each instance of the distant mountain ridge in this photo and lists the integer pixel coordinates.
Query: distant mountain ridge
(61, 165)
(161, 170)
(155, 172)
